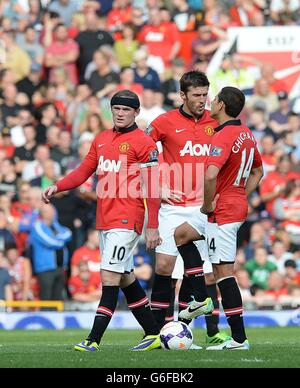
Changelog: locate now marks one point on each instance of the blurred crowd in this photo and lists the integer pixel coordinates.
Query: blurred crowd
(60, 63)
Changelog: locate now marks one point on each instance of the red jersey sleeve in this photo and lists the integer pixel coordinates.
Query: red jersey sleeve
(81, 173)
(257, 160)
(156, 129)
(220, 150)
(148, 159)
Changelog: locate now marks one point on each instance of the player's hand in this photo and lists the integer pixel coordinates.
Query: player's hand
(207, 209)
(152, 238)
(48, 193)
(170, 196)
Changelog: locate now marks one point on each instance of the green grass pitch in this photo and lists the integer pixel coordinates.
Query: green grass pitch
(271, 347)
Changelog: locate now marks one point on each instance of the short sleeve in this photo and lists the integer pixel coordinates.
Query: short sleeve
(147, 153)
(156, 130)
(220, 151)
(257, 161)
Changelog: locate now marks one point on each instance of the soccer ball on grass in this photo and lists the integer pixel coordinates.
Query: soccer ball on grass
(176, 336)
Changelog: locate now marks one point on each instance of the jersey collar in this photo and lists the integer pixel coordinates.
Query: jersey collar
(183, 112)
(229, 122)
(126, 130)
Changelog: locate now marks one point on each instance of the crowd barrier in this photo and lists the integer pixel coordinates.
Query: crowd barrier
(125, 320)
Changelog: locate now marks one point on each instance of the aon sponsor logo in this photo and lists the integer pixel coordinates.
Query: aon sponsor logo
(196, 149)
(108, 165)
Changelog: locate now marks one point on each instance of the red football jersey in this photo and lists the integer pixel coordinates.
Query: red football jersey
(77, 286)
(91, 256)
(186, 146)
(117, 159)
(235, 153)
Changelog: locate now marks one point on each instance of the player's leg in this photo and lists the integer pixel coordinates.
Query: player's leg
(214, 335)
(139, 304)
(162, 287)
(166, 255)
(115, 247)
(222, 252)
(170, 315)
(184, 235)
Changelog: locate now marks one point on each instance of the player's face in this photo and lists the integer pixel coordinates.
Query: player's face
(195, 99)
(215, 108)
(123, 116)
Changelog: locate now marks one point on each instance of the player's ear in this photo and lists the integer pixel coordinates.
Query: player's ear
(183, 96)
(137, 112)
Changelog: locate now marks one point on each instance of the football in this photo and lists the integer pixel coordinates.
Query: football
(176, 336)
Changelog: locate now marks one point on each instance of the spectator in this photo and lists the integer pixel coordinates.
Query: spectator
(92, 125)
(171, 87)
(85, 287)
(291, 274)
(6, 237)
(276, 287)
(102, 79)
(48, 176)
(263, 97)
(258, 124)
(29, 42)
(127, 81)
(89, 253)
(118, 16)
(50, 257)
(24, 117)
(279, 118)
(8, 178)
(62, 53)
(9, 108)
(260, 268)
(143, 268)
(17, 59)
(143, 74)
(6, 143)
(62, 153)
(90, 40)
(162, 43)
(5, 280)
(267, 151)
(267, 73)
(127, 46)
(65, 9)
(33, 82)
(19, 269)
(274, 185)
(34, 169)
(206, 44)
(150, 108)
(287, 210)
(243, 280)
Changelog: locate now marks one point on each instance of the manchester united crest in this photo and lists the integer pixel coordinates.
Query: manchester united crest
(209, 130)
(124, 148)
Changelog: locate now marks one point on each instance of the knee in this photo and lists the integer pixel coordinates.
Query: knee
(181, 237)
(210, 279)
(164, 266)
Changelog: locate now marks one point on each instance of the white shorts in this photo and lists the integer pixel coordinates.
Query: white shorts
(170, 217)
(117, 247)
(221, 242)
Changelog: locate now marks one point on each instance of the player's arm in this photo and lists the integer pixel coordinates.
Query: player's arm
(75, 178)
(254, 179)
(150, 180)
(256, 173)
(210, 185)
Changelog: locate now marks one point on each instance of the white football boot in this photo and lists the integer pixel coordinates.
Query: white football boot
(231, 345)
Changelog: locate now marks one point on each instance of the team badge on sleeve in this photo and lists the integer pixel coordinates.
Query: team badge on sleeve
(153, 156)
(216, 151)
(149, 129)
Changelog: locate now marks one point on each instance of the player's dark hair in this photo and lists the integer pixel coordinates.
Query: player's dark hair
(193, 79)
(234, 100)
